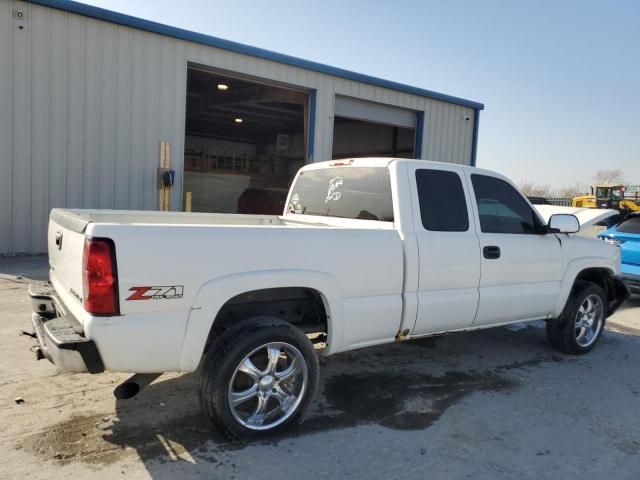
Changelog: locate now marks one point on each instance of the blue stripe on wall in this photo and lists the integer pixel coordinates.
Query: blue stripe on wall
(312, 126)
(419, 134)
(474, 145)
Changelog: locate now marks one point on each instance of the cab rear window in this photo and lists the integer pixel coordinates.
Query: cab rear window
(362, 193)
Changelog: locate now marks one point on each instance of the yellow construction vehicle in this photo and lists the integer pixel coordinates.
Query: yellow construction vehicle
(617, 197)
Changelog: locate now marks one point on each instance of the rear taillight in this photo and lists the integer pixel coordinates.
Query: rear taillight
(100, 277)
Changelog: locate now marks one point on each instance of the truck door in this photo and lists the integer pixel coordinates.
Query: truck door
(521, 266)
(448, 249)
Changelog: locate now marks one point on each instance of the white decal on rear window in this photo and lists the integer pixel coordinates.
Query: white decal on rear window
(294, 206)
(332, 193)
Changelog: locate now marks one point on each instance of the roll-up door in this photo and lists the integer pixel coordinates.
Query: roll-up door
(369, 129)
(356, 109)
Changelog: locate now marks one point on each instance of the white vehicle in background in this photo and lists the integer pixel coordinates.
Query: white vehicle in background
(368, 251)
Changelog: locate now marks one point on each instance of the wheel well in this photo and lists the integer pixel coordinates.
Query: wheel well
(302, 307)
(599, 276)
(614, 288)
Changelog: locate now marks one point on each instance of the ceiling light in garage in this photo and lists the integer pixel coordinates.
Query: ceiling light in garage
(237, 120)
(223, 86)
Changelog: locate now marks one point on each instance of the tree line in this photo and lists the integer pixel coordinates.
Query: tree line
(601, 177)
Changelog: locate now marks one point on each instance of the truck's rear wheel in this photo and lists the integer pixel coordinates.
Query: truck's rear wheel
(578, 328)
(258, 378)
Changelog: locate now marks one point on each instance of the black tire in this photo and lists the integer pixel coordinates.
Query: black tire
(226, 355)
(561, 331)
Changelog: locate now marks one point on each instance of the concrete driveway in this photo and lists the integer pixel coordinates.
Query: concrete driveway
(491, 404)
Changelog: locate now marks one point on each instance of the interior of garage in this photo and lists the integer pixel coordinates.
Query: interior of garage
(370, 129)
(244, 142)
(358, 138)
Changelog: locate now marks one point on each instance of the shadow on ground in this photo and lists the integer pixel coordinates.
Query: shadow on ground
(406, 386)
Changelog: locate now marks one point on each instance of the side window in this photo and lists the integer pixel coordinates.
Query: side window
(443, 207)
(630, 225)
(501, 208)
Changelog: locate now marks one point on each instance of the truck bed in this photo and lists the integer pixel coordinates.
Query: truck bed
(359, 261)
(77, 220)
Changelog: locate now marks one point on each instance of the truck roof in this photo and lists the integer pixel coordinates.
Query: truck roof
(386, 161)
(375, 162)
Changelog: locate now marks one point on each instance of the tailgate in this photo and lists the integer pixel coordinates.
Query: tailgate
(65, 244)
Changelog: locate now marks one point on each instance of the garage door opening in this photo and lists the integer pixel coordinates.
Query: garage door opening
(244, 142)
(357, 138)
(368, 129)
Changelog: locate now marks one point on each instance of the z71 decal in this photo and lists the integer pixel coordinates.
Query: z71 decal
(156, 293)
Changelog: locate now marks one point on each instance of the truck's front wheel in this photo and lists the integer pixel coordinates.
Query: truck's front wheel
(578, 328)
(258, 378)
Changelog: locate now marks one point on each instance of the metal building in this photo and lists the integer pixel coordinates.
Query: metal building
(88, 95)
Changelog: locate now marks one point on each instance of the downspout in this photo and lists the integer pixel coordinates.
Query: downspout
(474, 145)
(419, 135)
(312, 126)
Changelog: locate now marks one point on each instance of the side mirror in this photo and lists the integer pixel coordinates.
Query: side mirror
(564, 223)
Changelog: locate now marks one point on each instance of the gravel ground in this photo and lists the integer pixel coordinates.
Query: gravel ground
(490, 404)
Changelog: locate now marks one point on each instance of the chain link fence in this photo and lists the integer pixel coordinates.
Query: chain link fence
(560, 201)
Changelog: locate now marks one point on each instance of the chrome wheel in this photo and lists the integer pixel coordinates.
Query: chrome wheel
(268, 386)
(589, 320)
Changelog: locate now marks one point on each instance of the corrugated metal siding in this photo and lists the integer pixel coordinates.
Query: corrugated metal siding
(448, 133)
(6, 126)
(85, 104)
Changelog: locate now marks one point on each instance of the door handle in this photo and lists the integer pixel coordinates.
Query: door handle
(491, 252)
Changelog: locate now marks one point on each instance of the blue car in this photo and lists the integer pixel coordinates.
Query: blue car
(626, 234)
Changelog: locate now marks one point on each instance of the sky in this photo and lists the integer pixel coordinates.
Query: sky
(560, 80)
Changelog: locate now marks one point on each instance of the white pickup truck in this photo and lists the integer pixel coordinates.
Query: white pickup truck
(368, 251)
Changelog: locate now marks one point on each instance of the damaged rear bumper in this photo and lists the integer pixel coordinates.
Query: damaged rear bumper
(60, 336)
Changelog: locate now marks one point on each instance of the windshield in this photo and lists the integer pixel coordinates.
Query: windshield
(609, 193)
(362, 193)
